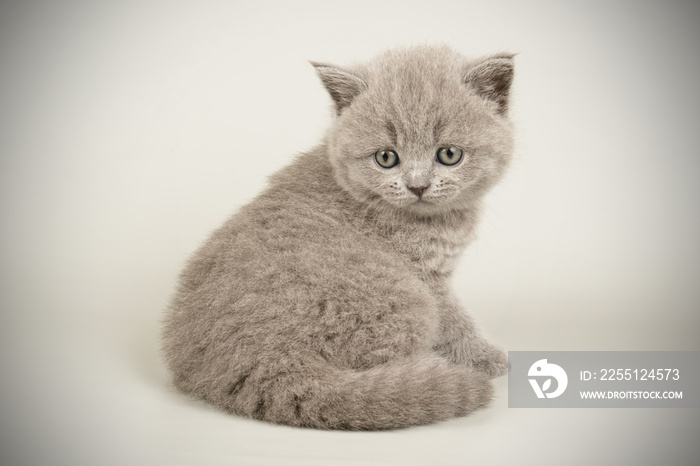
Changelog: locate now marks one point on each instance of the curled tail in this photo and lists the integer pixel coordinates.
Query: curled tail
(392, 395)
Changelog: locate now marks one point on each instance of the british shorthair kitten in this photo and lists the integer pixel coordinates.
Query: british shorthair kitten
(325, 302)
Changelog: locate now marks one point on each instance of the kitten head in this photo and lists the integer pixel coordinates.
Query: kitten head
(421, 130)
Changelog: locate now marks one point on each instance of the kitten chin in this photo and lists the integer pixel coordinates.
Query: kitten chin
(325, 302)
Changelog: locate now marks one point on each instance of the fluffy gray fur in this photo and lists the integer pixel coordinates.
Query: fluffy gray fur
(325, 302)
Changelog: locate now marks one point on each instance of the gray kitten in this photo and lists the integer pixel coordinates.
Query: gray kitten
(325, 302)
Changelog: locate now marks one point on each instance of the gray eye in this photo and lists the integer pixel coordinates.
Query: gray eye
(386, 158)
(449, 155)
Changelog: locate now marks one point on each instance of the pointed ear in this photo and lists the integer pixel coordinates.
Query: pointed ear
(491, 79)
(343, 86)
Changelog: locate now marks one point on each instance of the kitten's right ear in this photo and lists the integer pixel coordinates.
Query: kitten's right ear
(342, 85)
(492, 79)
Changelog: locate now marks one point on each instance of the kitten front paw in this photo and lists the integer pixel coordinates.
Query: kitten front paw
(492, 361)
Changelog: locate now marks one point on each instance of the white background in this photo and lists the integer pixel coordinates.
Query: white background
(129, 131)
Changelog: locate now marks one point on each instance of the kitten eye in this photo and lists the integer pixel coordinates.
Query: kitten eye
(449, 155)
(386, 158)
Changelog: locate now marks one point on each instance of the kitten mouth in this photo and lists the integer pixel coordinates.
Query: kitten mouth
(421, 205)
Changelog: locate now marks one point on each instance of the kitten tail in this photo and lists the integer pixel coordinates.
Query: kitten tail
(393, 395)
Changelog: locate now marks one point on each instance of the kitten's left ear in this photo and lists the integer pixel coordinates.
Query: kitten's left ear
(342, 85)
(492, 79)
